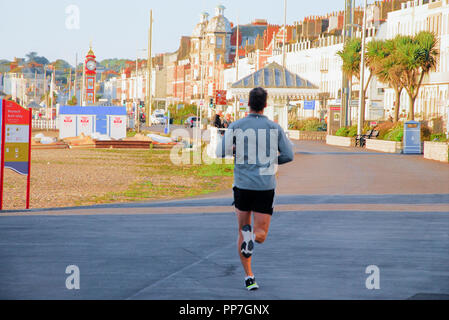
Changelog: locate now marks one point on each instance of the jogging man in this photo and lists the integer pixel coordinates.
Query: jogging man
(259, 145)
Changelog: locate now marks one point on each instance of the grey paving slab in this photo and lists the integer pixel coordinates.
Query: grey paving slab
(309, 255)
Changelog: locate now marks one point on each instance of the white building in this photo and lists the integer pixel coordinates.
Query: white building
(25, 87)
(416, 16)
(245, 68)
(319, 63)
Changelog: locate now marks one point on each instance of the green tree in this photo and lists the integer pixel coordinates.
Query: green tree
(33, 57)
(351, 57)
(417, 56)
(382, 58)
(73, 101)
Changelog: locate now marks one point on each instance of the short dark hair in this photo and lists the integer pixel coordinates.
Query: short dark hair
(258, 99)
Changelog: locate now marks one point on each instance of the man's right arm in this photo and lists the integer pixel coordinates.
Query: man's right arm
(226, 147)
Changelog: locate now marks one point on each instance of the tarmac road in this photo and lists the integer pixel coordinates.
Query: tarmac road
(339, 210)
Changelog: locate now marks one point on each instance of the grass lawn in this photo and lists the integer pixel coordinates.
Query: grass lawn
(94, 176)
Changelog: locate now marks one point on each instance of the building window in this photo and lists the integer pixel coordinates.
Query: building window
(211, 71)
(218, 57)
(211, 89)
(219, 42)
(211, 57)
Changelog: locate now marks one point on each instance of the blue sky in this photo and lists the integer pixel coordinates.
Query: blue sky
(118, 28)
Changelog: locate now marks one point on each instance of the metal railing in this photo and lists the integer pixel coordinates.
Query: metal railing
(44, 124)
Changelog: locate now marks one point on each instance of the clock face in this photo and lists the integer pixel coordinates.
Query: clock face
(91, 65)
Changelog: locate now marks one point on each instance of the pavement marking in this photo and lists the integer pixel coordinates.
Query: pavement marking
(438, 207)
(348, 153)
(179, 271)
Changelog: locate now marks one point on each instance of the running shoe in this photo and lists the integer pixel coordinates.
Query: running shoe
(248, 241)
(251, 284)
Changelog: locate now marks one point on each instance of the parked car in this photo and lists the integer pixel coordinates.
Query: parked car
(191, 122)
(158, 118)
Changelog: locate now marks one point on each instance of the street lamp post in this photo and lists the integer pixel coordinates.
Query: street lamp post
(137, 111)
(362, 76)
(284, 40)
(150, 70)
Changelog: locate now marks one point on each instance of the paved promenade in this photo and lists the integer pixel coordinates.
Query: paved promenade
(338, 211)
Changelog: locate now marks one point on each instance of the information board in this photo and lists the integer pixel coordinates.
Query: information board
(15, 140)
(309, 105)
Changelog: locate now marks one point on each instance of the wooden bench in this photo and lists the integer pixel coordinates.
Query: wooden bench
(360, 140)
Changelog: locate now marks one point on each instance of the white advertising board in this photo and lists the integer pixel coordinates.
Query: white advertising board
(117, 127)
(67, 126)
(85, 124)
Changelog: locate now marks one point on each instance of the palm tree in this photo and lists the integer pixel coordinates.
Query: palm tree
(351, 56)
(383, 60)
(417, 56)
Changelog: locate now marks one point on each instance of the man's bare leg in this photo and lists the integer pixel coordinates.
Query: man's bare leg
(244, 218)
(261, 226)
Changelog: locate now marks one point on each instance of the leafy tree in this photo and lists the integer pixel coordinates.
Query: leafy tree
(33, 57)
(61, 65)
(73, 101)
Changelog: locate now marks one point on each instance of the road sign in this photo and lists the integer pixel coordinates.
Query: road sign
(15, 143)
(309, 105)
(243, 105)
(220, 98)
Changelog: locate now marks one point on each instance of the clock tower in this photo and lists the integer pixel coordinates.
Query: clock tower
(90, 75)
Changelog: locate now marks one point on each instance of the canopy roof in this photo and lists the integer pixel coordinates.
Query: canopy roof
(273, 76)
(34, 105)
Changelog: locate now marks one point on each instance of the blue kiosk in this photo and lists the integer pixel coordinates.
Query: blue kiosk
(412, 138)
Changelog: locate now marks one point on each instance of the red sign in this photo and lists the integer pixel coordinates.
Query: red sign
(220, 98)
(15, 114)
(84, 120)
(15, 146)
(335, 108)
(118, 120)
(68, 119)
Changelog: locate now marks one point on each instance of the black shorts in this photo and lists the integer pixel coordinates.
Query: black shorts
(252, 200)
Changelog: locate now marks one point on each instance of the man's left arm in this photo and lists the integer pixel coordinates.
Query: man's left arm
(285, 148)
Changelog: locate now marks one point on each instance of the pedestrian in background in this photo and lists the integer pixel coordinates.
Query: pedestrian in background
(218, 123)
(227, 122)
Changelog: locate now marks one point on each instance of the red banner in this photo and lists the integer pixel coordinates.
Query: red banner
(220, 98)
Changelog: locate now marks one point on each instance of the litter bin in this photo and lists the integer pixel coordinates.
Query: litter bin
(412, 137)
